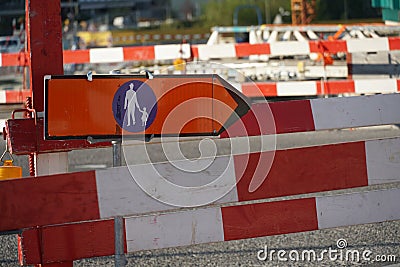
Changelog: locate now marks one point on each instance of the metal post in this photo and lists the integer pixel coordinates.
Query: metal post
(119, 258)
(116, 146)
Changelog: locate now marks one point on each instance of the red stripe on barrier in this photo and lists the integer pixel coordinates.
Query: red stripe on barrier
(271, 118)
(293, 116)
(258, 121)
(328, 46)
(303, 170)
(245, 50)
(29, 251)
(139, 53)
(273, 218)
(14, 59)
(76, 56)
(259, 89)
(194, 51)
(336, 87)
(69, 242)
(63, 198)
(17, 96)
(394, 43)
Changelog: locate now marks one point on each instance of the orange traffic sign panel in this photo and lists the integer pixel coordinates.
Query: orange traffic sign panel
(109, 106)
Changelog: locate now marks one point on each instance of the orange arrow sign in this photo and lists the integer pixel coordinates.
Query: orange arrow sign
(108, 106)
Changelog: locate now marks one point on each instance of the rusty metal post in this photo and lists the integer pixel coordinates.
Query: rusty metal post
(44, 40)
(44, 45)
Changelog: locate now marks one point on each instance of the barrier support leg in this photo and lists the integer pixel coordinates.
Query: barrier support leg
(119, 258)
(44, 45)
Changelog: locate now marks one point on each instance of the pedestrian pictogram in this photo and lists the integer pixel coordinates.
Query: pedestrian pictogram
(134, 106)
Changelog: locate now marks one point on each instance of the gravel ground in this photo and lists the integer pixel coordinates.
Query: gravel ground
(382, 239)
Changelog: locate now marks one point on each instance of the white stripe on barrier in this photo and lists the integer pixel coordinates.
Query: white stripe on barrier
(383, 159)
(296, 88)
(348, 112)
(289, 48)
(366, 86)
(3, 98)
(106, 55)
(119, 192)
(359, 208)
(1, 59)
(2, 124)
(217, 51)
(164, 230)
(371, 45)
(164, 52)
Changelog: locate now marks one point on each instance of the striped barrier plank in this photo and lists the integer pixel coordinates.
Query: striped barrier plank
(102, 194)
(292, 48)
(109, 55)
(312, 88)
(219, 51)
(121, 54)
(317, 114)
(211, 224)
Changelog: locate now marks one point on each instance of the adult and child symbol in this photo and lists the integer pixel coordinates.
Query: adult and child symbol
(131, 97)
(131, 103)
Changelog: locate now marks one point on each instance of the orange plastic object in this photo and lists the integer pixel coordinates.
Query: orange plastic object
(9, 171)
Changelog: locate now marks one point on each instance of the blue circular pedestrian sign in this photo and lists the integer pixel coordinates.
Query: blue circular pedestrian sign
(134, 106)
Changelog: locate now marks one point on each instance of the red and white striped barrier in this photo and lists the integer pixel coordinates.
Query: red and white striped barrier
(102, 194)
(121, 54)
(219, 51)
(317, 114)
(292, 48)
(261, 219)
(92, 198)
(110, 55)
(212, 224)
(330, 87)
